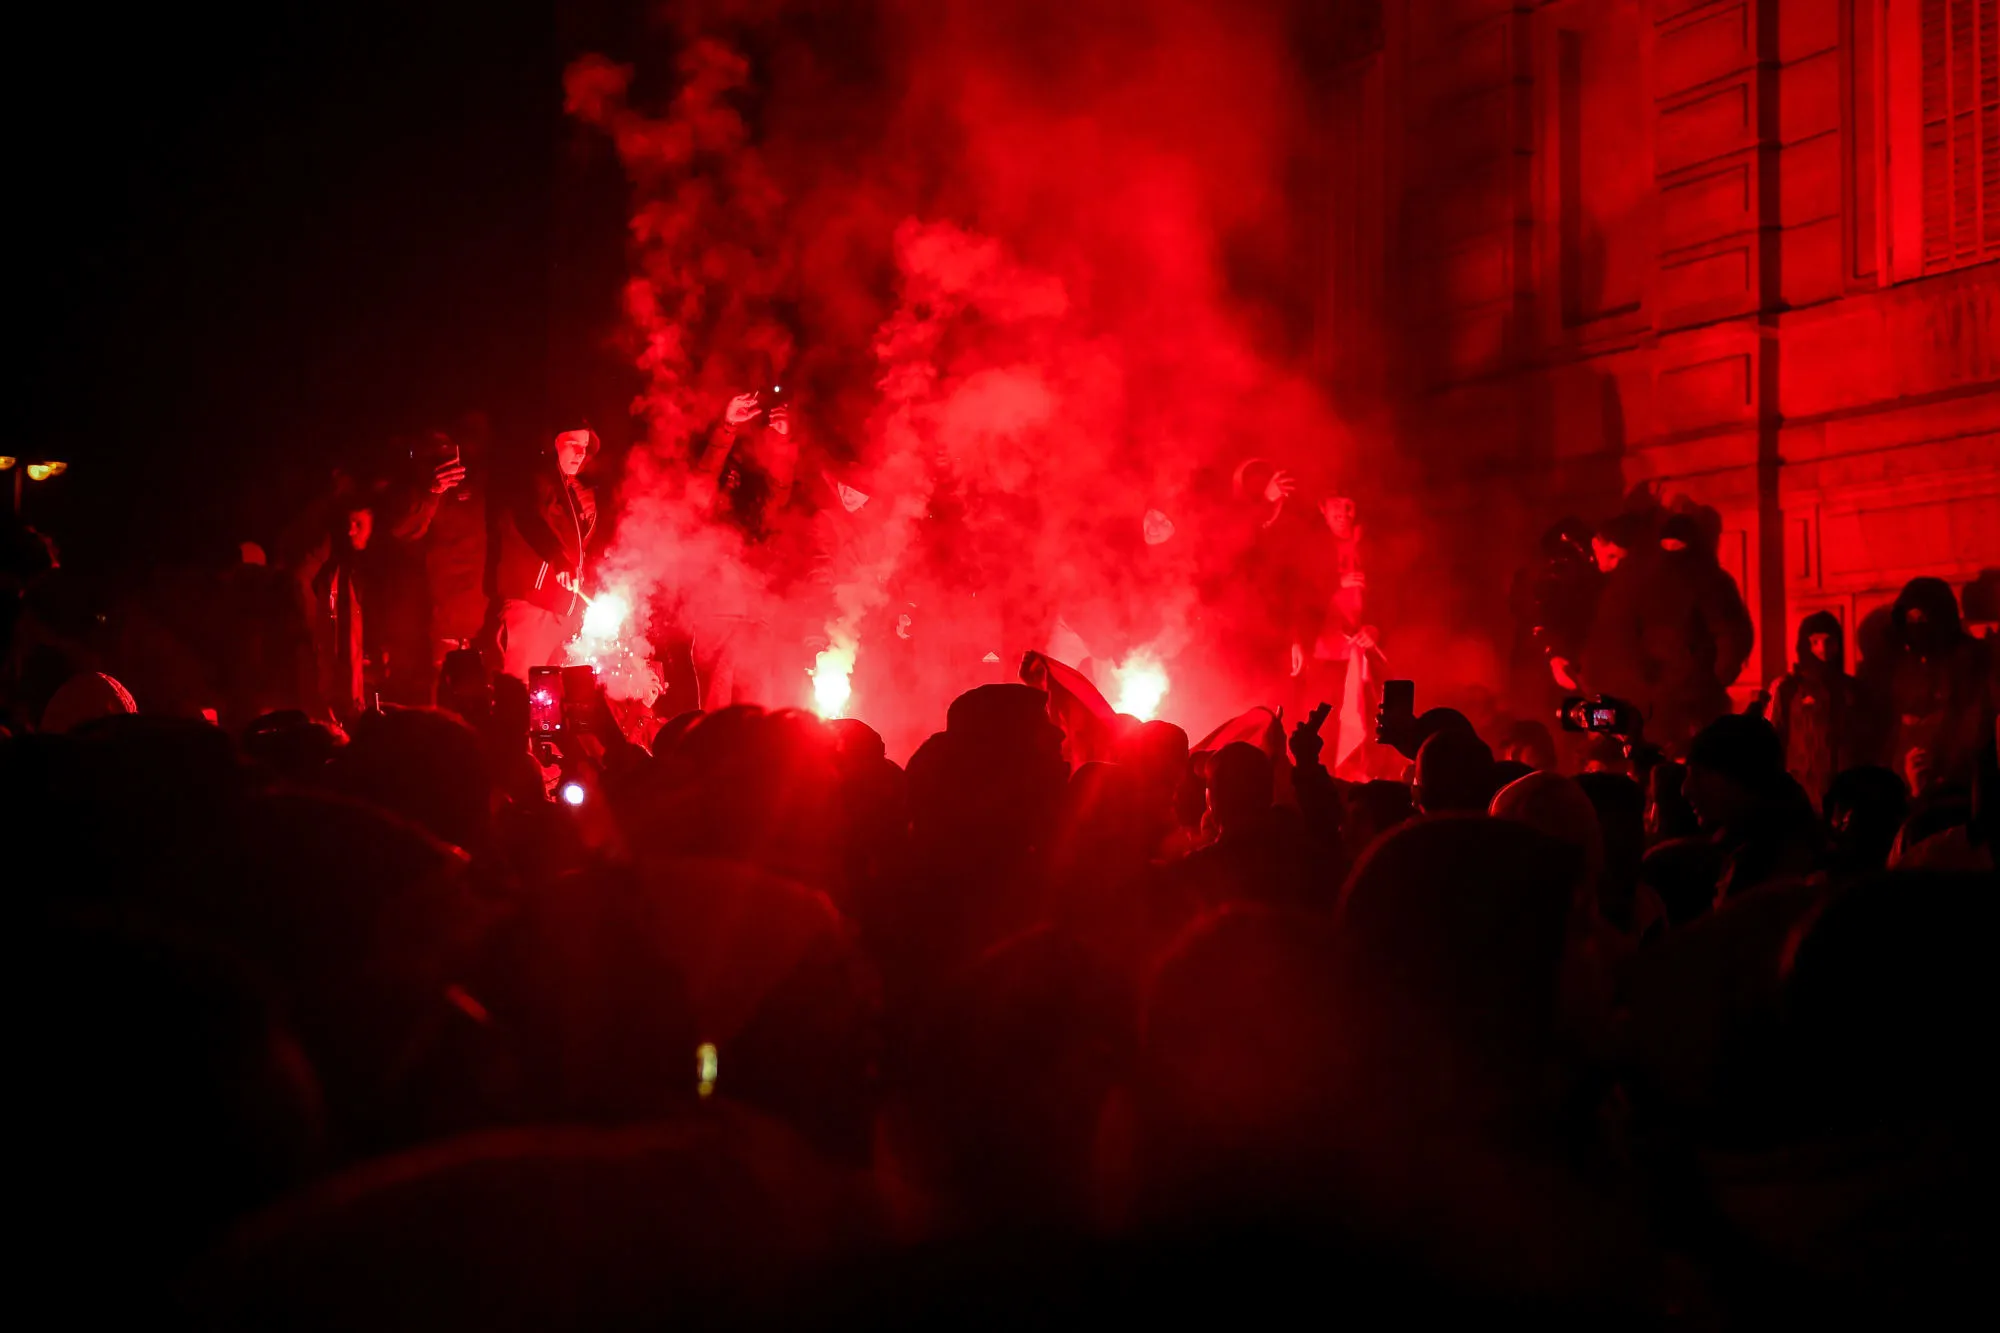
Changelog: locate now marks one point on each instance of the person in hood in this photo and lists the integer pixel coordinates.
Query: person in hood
(1818, 708)
(544, 532)
(1672, 632)
(1554, 603)
(1937, 683)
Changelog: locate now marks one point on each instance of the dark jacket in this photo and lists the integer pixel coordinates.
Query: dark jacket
(1671, 634)
(545, 530)
(1937, 685)
(1819, 713)
(452, 531)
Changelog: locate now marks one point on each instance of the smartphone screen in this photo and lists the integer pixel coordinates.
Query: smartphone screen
(545, 701)
(1399, 698)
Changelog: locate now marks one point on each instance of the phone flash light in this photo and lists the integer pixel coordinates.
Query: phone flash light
(572, 793)
(705, 1066)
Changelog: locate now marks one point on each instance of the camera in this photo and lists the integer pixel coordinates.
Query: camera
(1602, 714)
(559, 700)
(771, 398)
(1396, 719)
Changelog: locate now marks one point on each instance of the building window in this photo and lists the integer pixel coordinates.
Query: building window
(1941, 80)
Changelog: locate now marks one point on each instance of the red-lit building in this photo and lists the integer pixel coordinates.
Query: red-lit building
(1742, 251)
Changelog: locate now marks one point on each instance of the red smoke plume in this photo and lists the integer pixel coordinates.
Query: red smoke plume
(1011, 256)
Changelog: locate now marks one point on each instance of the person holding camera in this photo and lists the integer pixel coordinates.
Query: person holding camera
(544, 533)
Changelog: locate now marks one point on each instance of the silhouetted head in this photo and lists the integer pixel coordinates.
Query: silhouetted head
(1450, 934)
(1531, 742)
(424, 764)
(1554, 805)
(1240, 784)
(1454, 774)
(1925, 617)
(85, 697)
(1734, 763)
(1680, 535)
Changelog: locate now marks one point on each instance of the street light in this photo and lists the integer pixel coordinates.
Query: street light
(43, 471)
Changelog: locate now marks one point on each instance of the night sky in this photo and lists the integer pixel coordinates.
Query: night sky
(259, 240)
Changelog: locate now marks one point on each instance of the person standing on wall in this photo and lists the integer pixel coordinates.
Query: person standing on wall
(544, 532)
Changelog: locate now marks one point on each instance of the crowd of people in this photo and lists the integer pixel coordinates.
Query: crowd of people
(751, 1025)
(362, 995)
(1638, 609)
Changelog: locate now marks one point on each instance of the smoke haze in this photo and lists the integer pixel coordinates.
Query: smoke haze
(1026, 267)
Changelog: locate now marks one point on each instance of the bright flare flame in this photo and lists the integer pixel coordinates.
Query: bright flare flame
(605, 616)
(831, 687)
(1142, 683)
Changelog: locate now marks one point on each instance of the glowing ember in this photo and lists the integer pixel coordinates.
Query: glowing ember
(1142, 683)
(605, 617)
(611, 643)
(831, 687)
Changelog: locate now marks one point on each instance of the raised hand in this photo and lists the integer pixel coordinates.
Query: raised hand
(742, 410)
(1306, 740)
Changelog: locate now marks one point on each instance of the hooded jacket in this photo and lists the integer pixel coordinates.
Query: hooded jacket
(1671, 634)
(544, 529)
(1819, 713)
(1937, 683)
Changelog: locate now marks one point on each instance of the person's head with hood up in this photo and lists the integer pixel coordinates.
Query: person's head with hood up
(1925, 619)
(1822, 645)
(1615, 540)
(1681, 539)
(573, 445)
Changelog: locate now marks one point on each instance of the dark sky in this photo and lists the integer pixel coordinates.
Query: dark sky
(256, 239)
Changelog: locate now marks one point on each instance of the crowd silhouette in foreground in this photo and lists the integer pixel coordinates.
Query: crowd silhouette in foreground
(417, 1024)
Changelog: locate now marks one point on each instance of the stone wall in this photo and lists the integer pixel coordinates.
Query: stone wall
(1739, 251)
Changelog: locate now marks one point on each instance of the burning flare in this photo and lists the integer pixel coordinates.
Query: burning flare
(604, 618)
(831, 688)
(608, 642)
(1142, 683)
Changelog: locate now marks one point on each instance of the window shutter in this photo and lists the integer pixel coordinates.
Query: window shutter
(1961, 132)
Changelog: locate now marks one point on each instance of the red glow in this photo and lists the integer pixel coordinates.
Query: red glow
(1057, 394)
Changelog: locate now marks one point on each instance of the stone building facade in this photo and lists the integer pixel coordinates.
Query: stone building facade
(1740, 252)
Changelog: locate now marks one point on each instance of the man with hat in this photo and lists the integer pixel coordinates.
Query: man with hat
(544, 535)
